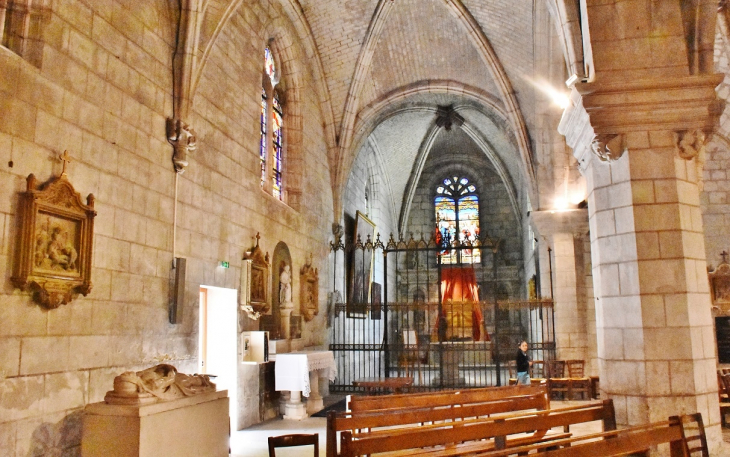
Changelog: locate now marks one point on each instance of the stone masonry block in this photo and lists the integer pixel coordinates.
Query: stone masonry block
(64, 391)
(657, 217)
(667, 344)
(647, 245)
(643, 191)
(653, 312)
(24, 397)
(652, 164)
(658, 370)
(72, 319)
(633, 339)
(44, 354)
(629, 278)
(10, 358)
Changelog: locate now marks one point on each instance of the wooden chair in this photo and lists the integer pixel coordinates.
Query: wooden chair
(579, 382)
(723, 383)
(294, 440)
(695, 444)
(558, 383)
(576, 368)
(512, 367)
(555, 368)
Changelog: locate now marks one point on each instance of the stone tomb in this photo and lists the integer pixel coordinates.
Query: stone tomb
(185, 427)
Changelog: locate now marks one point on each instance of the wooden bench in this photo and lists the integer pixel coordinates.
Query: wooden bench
(374, 385)
(360, 403)
(478, 434)
(417, 408)
(637, 440)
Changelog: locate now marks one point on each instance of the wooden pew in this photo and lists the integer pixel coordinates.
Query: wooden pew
(417, 408)
(475, 434)
(637, 440)
(362, 403)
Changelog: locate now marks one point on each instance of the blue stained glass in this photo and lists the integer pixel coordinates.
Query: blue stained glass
(277, 119)
(457, 220)
(269, 64)
(262, 144)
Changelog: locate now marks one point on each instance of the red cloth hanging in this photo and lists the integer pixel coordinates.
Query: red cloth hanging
(460, 285)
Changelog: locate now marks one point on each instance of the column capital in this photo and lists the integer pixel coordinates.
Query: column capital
(602, 113)
(669, 104)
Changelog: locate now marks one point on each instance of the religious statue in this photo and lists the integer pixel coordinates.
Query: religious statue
(285, 287)
(308, 290)
(159, 383)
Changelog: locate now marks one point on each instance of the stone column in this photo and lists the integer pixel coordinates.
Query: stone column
(656, 345)
(563, 231)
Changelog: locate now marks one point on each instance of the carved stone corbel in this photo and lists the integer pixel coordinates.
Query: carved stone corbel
(182, 138)
(609, 147)
(690, 143)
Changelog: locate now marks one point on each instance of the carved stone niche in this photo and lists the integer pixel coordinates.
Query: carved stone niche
(54, 248)
(309, 290)
(255, 282)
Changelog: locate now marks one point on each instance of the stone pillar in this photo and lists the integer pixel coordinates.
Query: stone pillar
(656, 337)
(639, 153)
(563, 231)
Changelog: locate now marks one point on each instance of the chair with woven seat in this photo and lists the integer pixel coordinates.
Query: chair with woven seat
(558, 383)
(294, 440)
(579, 382)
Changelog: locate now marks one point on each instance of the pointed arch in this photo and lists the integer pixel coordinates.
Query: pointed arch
(423, 152)
(511, 109)
(294, 12)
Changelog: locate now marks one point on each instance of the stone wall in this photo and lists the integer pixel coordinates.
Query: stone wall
(102, 91)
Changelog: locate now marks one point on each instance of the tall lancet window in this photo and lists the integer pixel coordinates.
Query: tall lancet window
(272, 120)
(276, 117)
(262, 143)
(457, 218)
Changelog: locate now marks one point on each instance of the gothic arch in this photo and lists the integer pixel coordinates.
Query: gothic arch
(480, 41)
(299, 27)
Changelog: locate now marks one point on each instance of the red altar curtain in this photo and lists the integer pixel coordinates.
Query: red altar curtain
(460, 285)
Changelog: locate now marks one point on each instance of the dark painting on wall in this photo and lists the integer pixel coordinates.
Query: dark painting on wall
(360, 269)
(377, 301)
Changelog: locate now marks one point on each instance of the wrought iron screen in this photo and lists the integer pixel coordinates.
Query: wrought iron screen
(447, 326)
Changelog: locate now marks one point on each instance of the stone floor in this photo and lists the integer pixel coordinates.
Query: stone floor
(252, 442)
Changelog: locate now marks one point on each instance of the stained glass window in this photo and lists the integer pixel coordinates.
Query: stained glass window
(457, 219)
(269, 64)
(271, 123)
(262, 142)
(277, 119)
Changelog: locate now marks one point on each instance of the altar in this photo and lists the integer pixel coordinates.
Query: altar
(299, 373)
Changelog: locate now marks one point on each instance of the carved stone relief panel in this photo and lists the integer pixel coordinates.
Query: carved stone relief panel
(54, 249)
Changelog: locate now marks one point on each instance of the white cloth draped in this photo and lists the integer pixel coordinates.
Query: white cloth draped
(292, 369)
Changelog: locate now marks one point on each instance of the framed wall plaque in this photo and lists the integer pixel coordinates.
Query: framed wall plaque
(54, 249)
(255, 281)
(720, 286)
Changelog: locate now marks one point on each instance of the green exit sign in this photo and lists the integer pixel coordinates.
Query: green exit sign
(224, 264)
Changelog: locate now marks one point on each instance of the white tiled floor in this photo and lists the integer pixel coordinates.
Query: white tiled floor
(252, 442)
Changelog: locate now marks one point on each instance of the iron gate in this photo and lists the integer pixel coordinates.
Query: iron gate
(413, 319)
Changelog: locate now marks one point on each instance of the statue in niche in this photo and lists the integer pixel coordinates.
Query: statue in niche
(159, 383)
(309, 290)
(285, 287)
